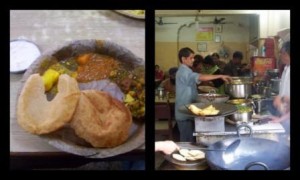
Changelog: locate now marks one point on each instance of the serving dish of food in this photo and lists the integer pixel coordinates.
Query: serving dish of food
(188, 155)
(86, 98)
(137, 14)
(218, 109)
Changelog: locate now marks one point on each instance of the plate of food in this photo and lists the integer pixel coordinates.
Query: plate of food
(86, 98)
(138, 14)
(208, 109)
(187, 155)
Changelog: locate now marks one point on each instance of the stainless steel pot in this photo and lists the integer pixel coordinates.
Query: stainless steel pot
(258, 103)
(241, 117)
(240, 87)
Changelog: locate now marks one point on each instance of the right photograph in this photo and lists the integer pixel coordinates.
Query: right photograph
(222, 89)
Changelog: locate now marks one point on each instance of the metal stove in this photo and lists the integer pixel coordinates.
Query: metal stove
(209, 135)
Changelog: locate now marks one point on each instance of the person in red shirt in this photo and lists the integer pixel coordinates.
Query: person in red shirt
(159, 74)
(169, 84)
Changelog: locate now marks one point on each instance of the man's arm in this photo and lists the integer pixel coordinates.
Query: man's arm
(208, 77)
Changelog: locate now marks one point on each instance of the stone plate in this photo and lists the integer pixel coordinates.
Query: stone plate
(65, 138)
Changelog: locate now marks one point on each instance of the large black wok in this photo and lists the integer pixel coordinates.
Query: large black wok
(252, 154)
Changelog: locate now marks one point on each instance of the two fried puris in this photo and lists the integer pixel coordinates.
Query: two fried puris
(97, 117)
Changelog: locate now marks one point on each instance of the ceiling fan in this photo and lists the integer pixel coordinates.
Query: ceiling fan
(160, 22)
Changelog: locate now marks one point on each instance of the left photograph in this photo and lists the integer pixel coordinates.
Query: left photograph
(77, 89)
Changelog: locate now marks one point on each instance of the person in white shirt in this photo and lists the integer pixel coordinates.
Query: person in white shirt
(282, 101)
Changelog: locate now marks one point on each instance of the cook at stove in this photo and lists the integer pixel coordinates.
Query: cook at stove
(186, 91)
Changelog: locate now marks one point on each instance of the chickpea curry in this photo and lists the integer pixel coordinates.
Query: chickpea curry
(92, 67)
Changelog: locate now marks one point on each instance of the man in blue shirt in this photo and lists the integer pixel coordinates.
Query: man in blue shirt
(186, 91)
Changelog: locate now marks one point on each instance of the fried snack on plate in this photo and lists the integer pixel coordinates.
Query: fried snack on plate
(210, 110)
(201, 155)
(36, 114)
(184, 152)
(101, 120)
(178, 157)
(190, 158)
(191, 155)
(195, 152)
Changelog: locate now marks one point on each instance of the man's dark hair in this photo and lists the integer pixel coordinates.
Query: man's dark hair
(238, 55)
(209, 60)
(286, 47)
(215, 54)
(197, 60)
(184, 52)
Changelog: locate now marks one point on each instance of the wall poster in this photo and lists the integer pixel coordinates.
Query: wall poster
(204, 34)
(202, 47)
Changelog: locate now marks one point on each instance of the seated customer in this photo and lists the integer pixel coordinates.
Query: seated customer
(159, 74)
(169, 83)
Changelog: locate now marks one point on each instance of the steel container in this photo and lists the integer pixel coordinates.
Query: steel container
(241, 117)
(240, 87)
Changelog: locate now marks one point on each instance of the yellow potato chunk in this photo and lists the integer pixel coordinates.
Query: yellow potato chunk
(50, 77)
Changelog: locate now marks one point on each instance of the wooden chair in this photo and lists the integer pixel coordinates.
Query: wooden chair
(164, 122)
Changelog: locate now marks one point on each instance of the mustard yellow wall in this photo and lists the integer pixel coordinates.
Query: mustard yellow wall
(166, 55)
(166, 52)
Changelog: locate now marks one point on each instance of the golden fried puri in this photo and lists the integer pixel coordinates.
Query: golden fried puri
(210, 110)
(101, 120)
(36, 114)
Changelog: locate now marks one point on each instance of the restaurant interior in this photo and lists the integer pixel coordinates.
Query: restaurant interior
(244, 104)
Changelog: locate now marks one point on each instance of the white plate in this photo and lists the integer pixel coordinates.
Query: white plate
(22, 54)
